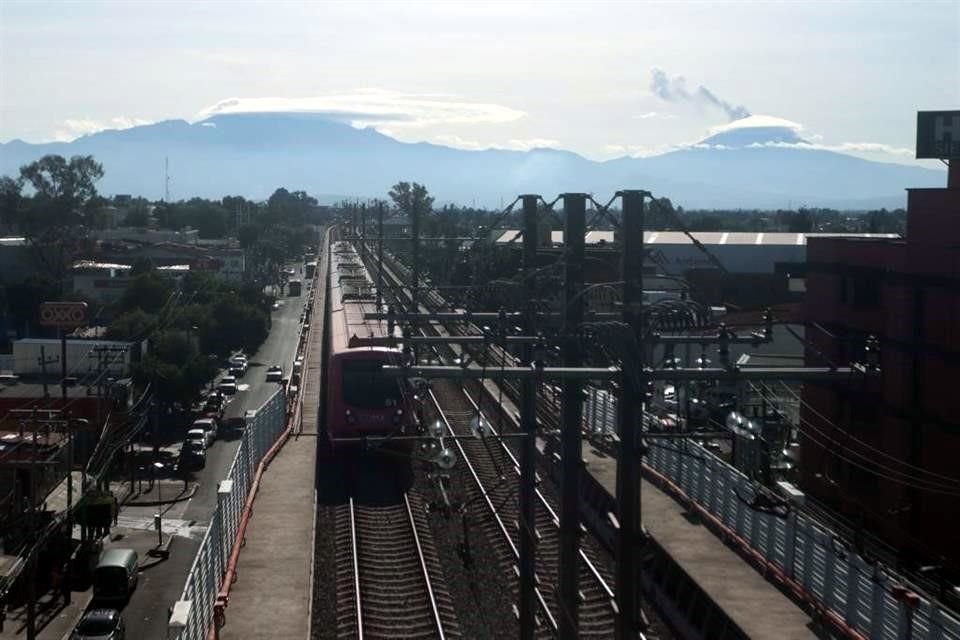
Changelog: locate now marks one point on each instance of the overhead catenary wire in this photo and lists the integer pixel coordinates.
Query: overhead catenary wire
(867, 445)
(837, 449)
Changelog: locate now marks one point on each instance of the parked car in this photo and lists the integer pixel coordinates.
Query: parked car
(100, 624)
(274, 374)
(238, 365)
(214, 403)
(209, 425)
(228, 385)
(116, 575)
(193, 455)
(201, 436)
(235, 425)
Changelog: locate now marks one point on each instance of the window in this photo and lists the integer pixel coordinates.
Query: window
(365, 387)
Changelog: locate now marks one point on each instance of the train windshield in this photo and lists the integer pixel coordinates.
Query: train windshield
(365, 387)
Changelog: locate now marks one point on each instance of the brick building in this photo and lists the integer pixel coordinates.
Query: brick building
(885, 451)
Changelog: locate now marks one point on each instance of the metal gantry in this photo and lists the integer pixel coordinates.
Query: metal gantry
(633, 373)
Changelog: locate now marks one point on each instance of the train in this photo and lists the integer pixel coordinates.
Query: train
(361, 400)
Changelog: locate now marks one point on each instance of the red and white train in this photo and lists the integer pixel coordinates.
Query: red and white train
(361, 401)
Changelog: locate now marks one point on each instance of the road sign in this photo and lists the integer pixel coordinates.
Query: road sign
(63, 314)
(938, 134)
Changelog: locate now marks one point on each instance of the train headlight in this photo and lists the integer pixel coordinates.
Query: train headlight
(399, 412)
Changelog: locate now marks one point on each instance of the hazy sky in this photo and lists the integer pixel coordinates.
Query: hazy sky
(602, 79)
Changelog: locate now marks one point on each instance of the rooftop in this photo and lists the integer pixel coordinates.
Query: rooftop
(714, 238)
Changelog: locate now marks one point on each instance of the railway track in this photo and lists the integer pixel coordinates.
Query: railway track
(389, 579)
(495, 474)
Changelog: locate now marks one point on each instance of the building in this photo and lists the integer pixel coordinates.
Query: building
(884, 450)
(100, 281)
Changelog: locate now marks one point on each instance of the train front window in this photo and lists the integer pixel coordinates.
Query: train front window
(365, 387)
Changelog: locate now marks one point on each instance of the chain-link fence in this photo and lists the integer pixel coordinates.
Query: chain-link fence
(203, 582)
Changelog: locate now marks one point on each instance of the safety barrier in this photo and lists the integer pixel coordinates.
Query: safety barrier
(807, 558)
(865, 598)
(209, 565)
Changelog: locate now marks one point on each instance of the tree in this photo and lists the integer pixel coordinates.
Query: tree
(147, 291)
(63, 187)
(137, 216)
(10, 201)
(411, 197)
(54, 217)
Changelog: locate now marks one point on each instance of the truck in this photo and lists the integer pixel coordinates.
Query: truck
(293, 288)
(309, 269)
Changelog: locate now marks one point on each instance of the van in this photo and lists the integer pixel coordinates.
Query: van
(115, 576)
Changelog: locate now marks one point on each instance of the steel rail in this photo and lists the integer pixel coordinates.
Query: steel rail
(553, 514)
(424, 568)
(356, 570)
(493, 510)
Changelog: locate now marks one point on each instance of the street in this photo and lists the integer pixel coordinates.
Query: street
(186, 513)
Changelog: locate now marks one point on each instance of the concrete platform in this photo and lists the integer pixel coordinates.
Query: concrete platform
(752, 603)
(271, 597)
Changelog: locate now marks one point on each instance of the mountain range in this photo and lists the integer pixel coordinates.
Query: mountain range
(765, 167)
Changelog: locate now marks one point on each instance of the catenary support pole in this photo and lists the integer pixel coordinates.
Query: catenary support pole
(630, 539)
(528, 424)
(379, 255)
(574, 206)
(415, 256)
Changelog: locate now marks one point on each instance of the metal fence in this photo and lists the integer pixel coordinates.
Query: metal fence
(860, 593)
(209, 565)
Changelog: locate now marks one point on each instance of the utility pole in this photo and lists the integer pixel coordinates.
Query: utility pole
(63, 362)
(43, 362)
(363, 230)
(379, 255)
(571, 443)
(528, 424)
(631, 536)
(31, 558)
(415, 257)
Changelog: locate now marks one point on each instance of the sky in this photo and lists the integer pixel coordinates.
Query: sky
(603, 79)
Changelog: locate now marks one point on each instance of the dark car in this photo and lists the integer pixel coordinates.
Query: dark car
(193, 455)
(100, 624)
(235, 425)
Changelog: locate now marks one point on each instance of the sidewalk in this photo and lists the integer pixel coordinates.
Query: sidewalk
(271, 598)
(54, 620)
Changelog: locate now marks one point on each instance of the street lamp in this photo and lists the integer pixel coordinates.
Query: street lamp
(158, 517)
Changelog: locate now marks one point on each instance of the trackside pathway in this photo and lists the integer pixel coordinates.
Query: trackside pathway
(272, 594)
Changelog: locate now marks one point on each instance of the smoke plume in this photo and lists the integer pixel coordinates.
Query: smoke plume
(675, 90)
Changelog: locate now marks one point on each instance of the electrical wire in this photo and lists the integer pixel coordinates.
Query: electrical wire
(837, 449)
(866, 445)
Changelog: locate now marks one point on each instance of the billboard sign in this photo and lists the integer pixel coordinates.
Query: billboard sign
(63, 314)
(938, 134)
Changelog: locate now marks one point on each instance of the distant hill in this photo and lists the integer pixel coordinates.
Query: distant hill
(252, 154)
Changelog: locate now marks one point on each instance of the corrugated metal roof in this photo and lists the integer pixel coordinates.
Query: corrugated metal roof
(708, 237)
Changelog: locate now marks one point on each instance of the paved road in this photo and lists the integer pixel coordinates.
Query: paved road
(161, 581)
(146, 613)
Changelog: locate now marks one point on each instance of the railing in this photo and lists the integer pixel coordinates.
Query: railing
(209, 565)
(812, 561)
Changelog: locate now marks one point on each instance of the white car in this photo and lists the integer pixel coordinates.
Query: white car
(274, 374)
(209, 425)
(238, 366)
(200, 437)
(228, 385)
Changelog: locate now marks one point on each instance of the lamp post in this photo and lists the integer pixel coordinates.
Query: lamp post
(158, 518)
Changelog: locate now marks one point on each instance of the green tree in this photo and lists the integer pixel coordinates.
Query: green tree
(132, 325)
(54, 217)
(10, 197)
(138, 215)
(147, 291)
(410, 197)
